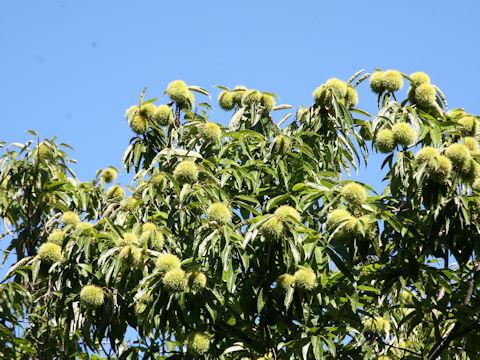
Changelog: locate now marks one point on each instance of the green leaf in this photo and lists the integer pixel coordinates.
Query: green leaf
(273, 203)
(283, 119)
(35, 269)
(142, 95)
(288, 297)
(231, 276)
(317, 347)
(354, 76)
(236, 119)
(260, 301)
(282, 107)
(200, 90)
(222, 87)
(436, 136)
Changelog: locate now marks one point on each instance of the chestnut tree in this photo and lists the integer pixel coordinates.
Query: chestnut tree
(245, 241)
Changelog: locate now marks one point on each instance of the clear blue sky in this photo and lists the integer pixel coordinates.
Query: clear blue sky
(70, 68)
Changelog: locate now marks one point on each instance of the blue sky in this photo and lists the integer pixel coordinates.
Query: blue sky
(70, 68)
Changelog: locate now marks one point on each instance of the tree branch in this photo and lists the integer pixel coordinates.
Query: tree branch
(456, 333)
(471, 283)
(398, 348)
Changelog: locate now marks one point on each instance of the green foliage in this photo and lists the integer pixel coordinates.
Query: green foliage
(244, 241)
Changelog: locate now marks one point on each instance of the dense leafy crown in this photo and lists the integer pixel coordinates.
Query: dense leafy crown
(244, 242)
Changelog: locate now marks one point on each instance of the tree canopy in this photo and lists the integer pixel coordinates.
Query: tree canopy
(246, 241)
